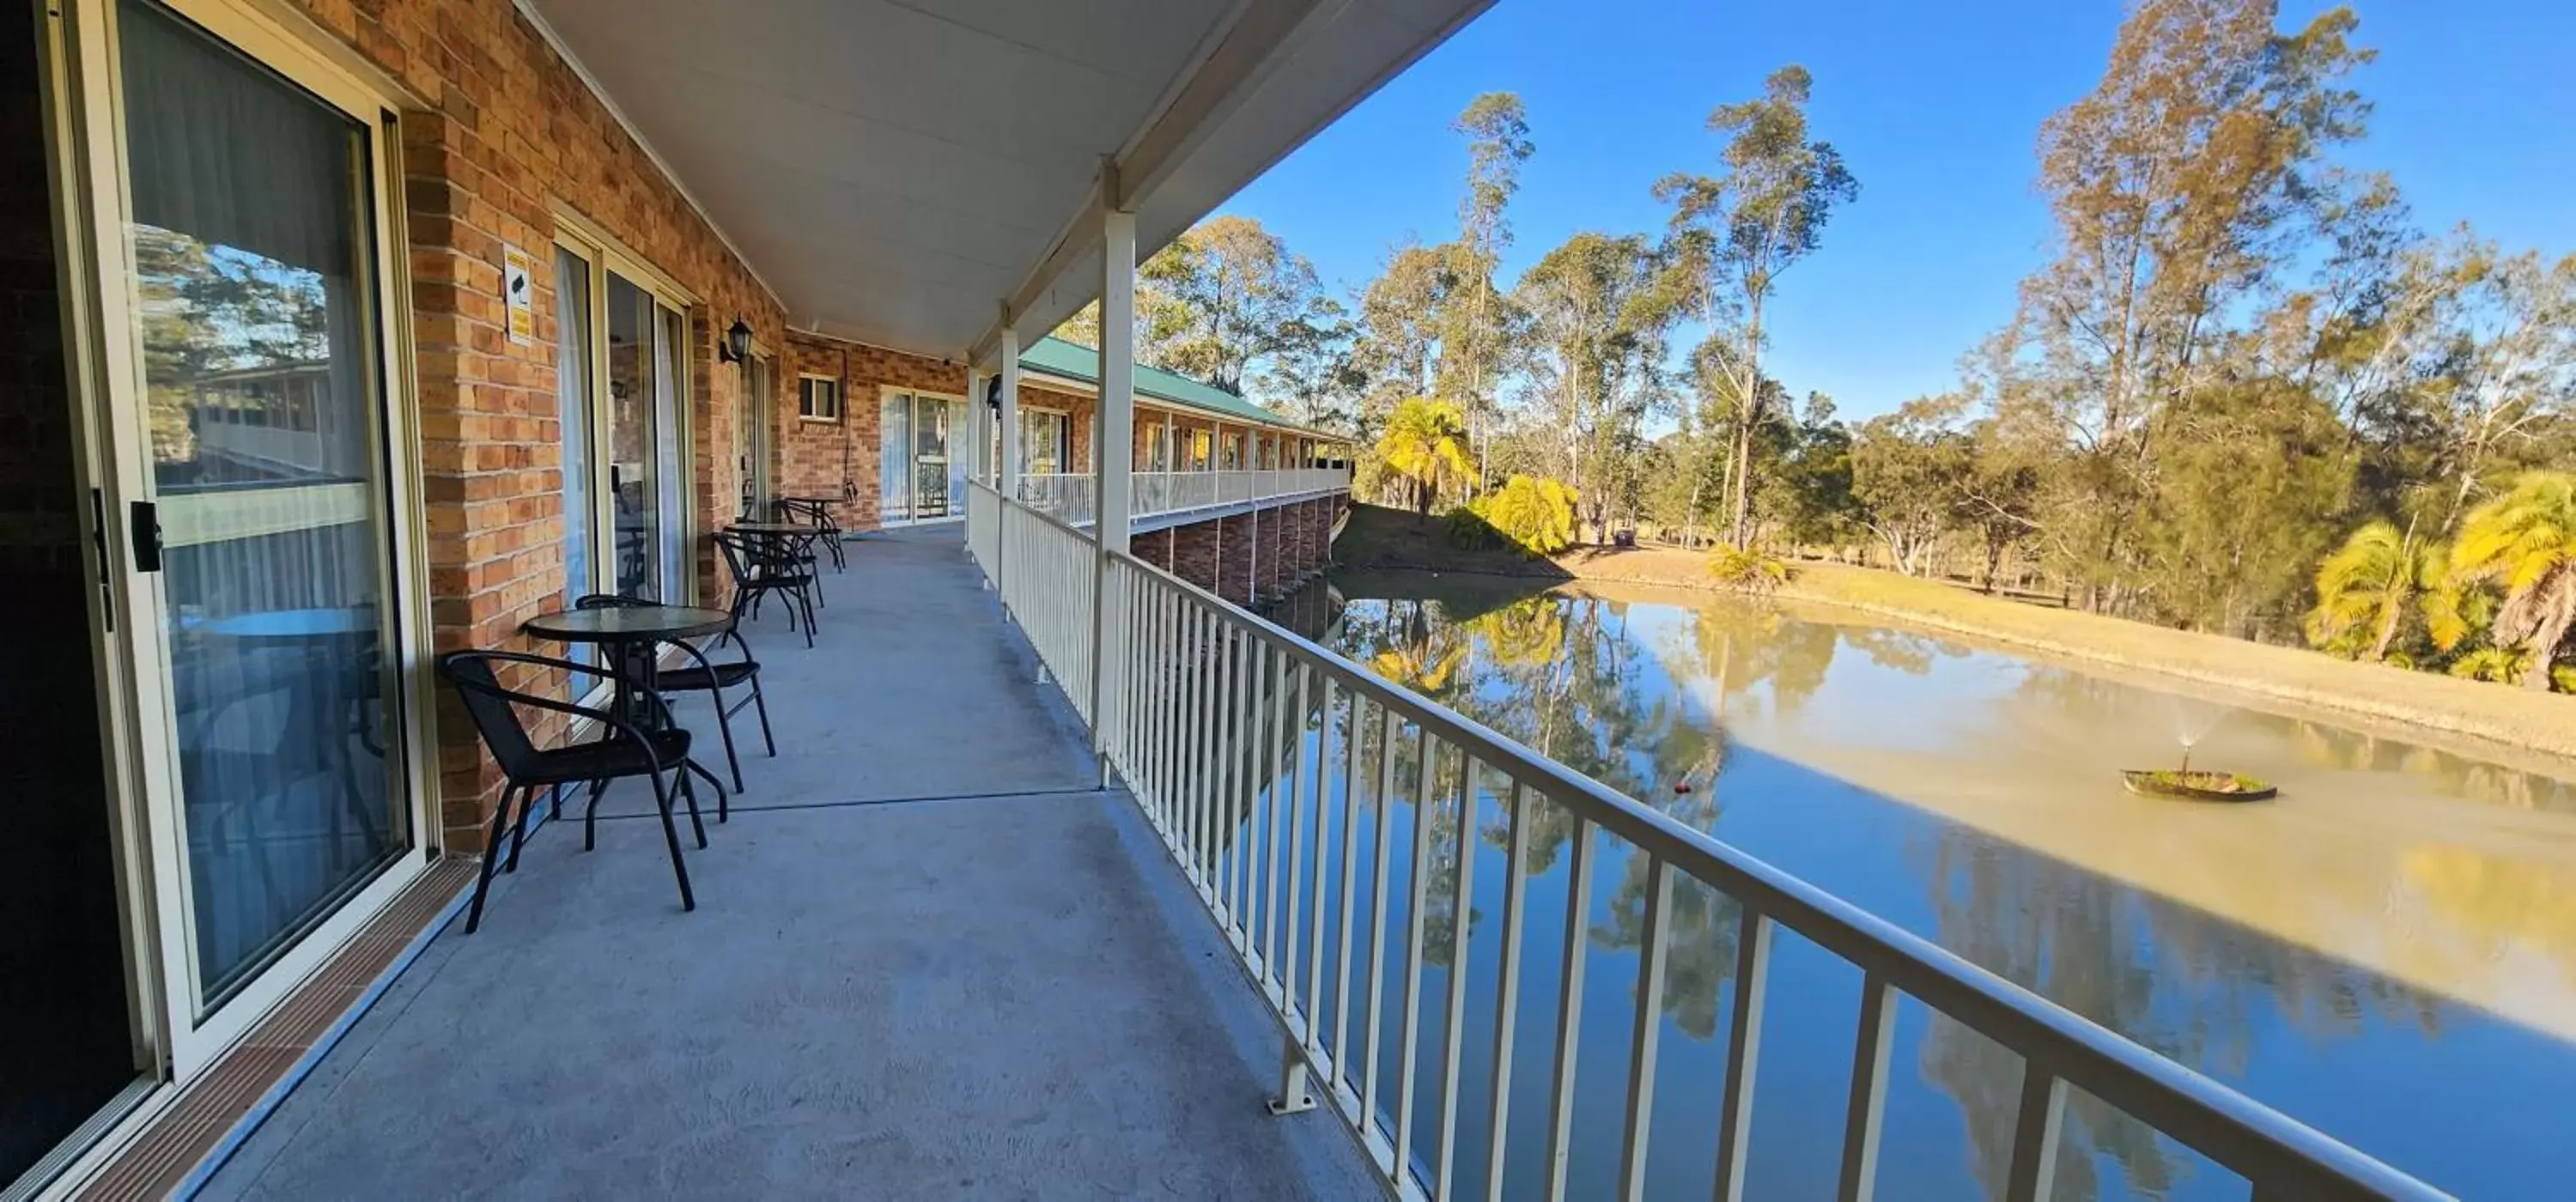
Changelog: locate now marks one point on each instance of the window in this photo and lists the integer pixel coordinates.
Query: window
(1046, 443)
(818, 399)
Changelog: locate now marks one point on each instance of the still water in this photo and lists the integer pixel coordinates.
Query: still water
(2387, 952)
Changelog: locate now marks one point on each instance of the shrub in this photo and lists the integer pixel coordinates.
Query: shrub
(1746, 571)
(2502, 665)
(1531, 513)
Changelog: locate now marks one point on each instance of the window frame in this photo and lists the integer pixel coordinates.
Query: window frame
(805, 393)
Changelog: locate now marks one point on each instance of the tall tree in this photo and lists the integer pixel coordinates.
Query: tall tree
(1598, 319)
(1314, 370)
(1238, 288)
(2510, 352)
(1907, 470)
(1734, 233)
(2177, 187)
(1477, 324)
(1399, 327)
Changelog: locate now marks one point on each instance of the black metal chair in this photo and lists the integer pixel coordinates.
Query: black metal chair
(817, 514)
(709, 677)
(623, 750)
(761, 566)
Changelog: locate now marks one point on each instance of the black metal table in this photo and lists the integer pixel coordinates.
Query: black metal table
(630, 635)
(817, 511)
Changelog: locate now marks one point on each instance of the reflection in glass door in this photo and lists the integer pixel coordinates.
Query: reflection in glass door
(930, 459)
(894, 458)
(634, 465)
(751, 438)
(253, 250)
(920, 477)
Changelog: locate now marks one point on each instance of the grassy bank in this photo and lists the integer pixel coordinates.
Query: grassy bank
(2502, 714)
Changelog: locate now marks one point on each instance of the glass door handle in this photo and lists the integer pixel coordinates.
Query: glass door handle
(98, 543)
(144, 530)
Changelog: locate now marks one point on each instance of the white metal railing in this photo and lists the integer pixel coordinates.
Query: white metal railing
(1033, 554)
(984, 526)
(1230, 731)
(1068, 495)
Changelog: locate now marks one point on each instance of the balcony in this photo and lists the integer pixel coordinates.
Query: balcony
(931, 958)
(1163, 499)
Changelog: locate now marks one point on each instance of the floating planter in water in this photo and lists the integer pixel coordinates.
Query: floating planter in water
(2186, 785)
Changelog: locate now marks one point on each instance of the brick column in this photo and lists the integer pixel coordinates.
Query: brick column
(1155, 548)
(1302, 547)
(1234, 558)
(1194, 553)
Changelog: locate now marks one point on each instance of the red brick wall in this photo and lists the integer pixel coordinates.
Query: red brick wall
(1234, 559)
(1269, 534)
(1194, 553)
(497, 131)
(1154, 547)
(819, 458)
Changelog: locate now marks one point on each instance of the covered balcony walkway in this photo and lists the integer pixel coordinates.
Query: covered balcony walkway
(930, 959)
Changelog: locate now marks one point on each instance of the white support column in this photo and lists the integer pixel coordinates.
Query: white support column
(1112, 456)
(979, 444)
(1113, 449)
(1008, 479)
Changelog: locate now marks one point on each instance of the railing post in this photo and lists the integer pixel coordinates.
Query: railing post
(1295, 1096)
(1112, 455)
(1006, 474)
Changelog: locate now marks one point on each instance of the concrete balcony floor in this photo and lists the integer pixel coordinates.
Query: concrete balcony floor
(929, 959)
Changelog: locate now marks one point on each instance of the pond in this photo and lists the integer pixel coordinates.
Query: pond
(2387, 952)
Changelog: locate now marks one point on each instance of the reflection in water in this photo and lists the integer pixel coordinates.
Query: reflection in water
(2355, 943)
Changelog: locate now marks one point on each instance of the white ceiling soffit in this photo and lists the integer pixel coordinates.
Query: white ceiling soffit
(895, 170)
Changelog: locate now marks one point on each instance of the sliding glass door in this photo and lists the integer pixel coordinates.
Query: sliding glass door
(894, 458)
(259, 335)
(620, 350)
(921, 464)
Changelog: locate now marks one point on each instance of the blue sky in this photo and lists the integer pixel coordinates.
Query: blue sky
(1936, 107)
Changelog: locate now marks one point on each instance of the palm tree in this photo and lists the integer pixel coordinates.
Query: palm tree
(1426, 442)
(2366, 587)
(2524, 542)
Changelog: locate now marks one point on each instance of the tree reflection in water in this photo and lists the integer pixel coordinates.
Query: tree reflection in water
(1643, 712)
(2192, 987)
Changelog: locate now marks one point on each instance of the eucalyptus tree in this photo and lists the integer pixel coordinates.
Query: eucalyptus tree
(1239, 289)
(1476, 321)
(1732, 235)
(1399, 328)
(1598, 319)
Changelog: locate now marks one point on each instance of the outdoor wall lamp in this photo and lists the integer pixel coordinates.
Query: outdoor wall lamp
(736, 346)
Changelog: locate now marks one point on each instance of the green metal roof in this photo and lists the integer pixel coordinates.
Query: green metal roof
(1074, 361)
